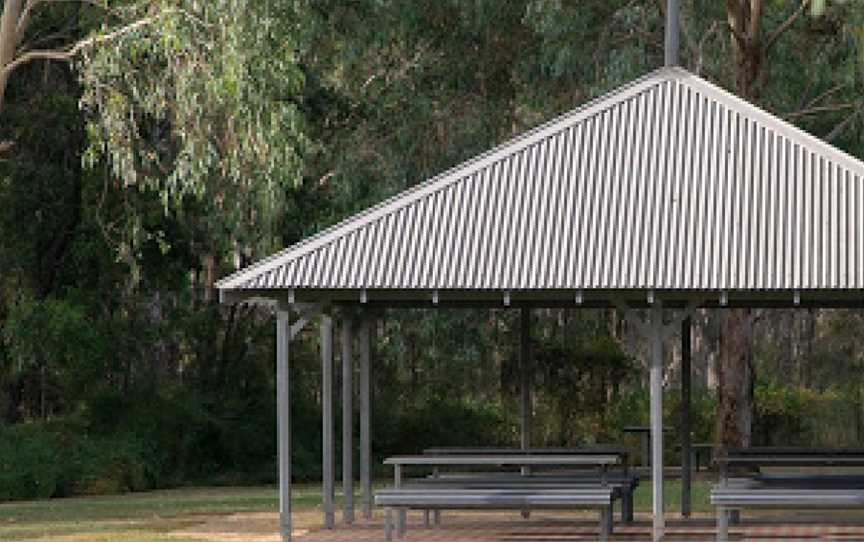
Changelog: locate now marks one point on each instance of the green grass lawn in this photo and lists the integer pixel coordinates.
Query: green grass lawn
(135, 517)
(154, 516)
(700, 492)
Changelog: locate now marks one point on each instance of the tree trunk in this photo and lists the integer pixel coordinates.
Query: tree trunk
(9, 39)
(735, 382)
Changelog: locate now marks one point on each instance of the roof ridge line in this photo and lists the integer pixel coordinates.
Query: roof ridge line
(774, 122)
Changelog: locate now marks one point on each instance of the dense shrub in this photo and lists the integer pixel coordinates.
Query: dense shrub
(40, 460)
(787, 416)
(441, 422)
(29, 462)
(581, 385)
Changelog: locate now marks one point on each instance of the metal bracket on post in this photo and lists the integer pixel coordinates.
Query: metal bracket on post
(306, 314)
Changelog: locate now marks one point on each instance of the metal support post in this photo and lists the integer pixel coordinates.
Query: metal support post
(672, 33)
(401, 519)
(525, 376)
(283, 402)
(327, 416)
(525, 384)
(658, 523)
(686, 433)
(347, 421)
(365, 428)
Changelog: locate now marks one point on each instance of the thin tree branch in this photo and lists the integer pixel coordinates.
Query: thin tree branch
(700, 53)
(70, 53)
(821, 109)
(780, 30)
(837, 130)
(830, 92)
(27, 12)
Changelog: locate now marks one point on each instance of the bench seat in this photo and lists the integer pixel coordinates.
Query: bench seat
(427, 498)
(625, 484)
(799, 481)
(740, 494)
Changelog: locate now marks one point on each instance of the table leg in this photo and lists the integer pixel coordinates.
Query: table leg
(605, 524)
(388, 524)
(400, 524)
(646, 449)
(722, 524)
(400, 513)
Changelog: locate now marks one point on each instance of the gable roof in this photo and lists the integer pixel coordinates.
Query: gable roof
(667, 183)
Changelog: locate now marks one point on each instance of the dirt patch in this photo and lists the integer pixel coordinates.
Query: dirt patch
(249, 527)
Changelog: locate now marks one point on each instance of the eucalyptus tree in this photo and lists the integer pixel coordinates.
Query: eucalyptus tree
(23, 40)
(800, 60)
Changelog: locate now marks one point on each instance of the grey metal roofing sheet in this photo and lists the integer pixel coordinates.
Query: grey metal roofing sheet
(668, 183)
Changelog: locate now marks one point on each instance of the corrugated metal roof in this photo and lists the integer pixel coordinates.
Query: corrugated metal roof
(669, 183)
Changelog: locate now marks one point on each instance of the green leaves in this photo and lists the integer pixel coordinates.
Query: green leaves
(202, 105)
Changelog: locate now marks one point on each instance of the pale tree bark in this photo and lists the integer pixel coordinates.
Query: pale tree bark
(9, 40)
(14, 52)
(749, 42)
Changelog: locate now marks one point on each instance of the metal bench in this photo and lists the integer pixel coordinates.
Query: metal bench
(737, 496)
(426, 498)
(625, 484)
(799, 481)
(789, 490)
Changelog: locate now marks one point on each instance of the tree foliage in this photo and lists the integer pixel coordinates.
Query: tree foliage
(203, 104)
(190, 136)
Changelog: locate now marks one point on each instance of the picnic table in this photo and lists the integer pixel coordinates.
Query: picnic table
(519, 493)
(601, 461)
(621, 452)
(644, 433)
(755, 489)
(697, 450)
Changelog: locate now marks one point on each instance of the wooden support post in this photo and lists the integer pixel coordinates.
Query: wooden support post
(365, 426)
(656, 326)
(686, 432)
(283, 412)
(327, 419)
(347, 421)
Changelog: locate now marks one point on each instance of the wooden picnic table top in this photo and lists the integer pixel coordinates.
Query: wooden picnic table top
(503, 459)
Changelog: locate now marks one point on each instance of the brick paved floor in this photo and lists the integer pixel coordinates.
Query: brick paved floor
(502, 527)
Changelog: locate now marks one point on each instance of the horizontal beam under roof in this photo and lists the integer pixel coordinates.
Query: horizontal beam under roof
(672, 299)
